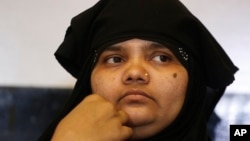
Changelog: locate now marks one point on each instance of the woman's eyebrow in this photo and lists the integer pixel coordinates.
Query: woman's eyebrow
(155, 45)
(114, 48)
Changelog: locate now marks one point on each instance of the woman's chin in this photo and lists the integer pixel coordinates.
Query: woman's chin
(138, 115)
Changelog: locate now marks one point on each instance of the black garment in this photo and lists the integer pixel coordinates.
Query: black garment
(167, 22)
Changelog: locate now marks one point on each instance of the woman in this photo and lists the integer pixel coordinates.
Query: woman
(145, 70)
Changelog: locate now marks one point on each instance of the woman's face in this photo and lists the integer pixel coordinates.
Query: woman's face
(144, 79)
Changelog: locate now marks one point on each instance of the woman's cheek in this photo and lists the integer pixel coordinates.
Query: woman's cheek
(104, 86)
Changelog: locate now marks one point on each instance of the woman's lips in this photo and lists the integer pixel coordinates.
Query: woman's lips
(135, 96)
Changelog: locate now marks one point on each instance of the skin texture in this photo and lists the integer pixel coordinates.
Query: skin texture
(138, 89)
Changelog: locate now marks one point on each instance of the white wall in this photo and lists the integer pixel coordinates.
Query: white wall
(30, 32)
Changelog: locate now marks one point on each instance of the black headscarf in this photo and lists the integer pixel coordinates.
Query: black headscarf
(168, 22)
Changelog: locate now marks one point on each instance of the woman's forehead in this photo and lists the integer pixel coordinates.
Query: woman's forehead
(136, 43)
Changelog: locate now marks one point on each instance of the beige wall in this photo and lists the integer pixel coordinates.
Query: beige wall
(30, 32)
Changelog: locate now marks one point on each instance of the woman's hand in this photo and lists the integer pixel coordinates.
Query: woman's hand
(94, 119)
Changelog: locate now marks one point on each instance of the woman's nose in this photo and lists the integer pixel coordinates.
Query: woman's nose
(136, 74)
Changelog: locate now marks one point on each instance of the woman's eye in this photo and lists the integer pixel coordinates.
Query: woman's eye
(114, 59)
(161, 58)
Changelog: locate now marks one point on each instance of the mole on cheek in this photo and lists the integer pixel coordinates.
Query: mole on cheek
(175, 75)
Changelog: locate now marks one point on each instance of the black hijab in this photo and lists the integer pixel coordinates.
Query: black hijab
(168, 22)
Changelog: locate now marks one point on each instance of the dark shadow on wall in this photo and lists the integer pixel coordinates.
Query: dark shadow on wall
(26, 112)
